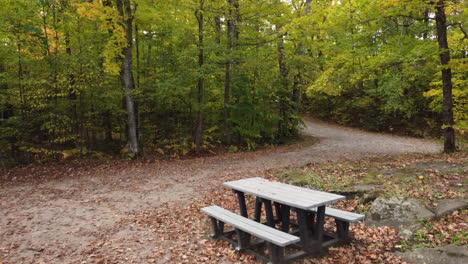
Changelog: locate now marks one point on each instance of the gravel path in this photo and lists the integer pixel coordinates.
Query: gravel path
(65, 220)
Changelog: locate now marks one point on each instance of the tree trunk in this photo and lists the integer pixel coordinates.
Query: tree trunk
(283, 104)
(199, 129)
(20, 83)
(126, 74)
(138, 87)
(296, 89)
(227, 74)
(447, 111)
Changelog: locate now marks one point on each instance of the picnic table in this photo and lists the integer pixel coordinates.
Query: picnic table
(281, 199)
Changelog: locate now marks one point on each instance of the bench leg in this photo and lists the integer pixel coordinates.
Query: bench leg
(221, 227)
(243, 240)
(342, 229)
(276, 254)
(216, 229)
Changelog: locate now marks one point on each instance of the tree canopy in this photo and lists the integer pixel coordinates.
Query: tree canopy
(132, 76)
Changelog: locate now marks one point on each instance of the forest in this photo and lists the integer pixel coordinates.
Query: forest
(129, 77)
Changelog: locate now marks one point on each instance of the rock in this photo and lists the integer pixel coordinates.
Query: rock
(370, 197)
(367, 187)
(405, 234)
(448, 206)
(397, 212)
(450, 254)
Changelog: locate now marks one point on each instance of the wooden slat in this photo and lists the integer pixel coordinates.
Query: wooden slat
(232, 217)
(293, 196)
(297, 189)
(270, 195)
(299, 193)
(342, 215)
(267, 233)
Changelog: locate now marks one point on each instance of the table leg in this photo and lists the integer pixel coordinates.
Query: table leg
(304, 231)
(269, 213)
(277, 211)
(242, 206)
(285, 215)
(319, 224)
(310, 220)
(258, 209)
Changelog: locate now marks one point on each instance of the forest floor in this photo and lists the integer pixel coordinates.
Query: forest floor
(148, 211)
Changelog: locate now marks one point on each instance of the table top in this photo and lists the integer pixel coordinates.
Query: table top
(294, 196)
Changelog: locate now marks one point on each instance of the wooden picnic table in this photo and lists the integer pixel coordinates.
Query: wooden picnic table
(308, 204)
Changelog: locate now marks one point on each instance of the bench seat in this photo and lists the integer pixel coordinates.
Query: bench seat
(342, 215)
(256, 229)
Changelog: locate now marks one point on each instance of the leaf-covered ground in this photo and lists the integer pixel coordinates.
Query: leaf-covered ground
(429, 178)
(426, 177)
(148, 211)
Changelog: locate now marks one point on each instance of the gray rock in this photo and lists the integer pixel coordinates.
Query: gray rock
(441, 255)
(406, 234)
(397, 212)
(367, 187)
(448, 206)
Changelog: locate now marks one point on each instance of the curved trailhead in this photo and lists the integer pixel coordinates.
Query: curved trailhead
(338, 142)
(61, 220)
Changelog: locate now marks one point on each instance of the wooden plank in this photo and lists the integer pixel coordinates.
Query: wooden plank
(264, 232)
(287, 188)
(273, 196)
(297, 189)
(342, 215)
(300, 194)
(214, 210)
(259, 230)
(293, 196)
(262, 189)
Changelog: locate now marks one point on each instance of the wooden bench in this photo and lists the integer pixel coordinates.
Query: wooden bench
(244, 227)
(342, 220)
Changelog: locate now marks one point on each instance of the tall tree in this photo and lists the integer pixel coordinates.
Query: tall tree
(230, 35)
(201, 57)
(126, 73)
(447, 103)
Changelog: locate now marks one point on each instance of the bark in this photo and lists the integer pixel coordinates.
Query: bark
(227, 73)
(283, 70)
(217, 24)
(138, 70)
(72, 96)
(20, 82)
(199, 128)
(296, 90)
(126, 74)
(447, 104)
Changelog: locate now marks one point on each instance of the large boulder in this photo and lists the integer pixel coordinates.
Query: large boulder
(397, 212)
(440, 255)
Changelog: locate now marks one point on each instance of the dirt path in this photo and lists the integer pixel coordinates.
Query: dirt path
(65, 220)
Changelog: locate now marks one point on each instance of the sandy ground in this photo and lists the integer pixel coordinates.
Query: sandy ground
(63, 220)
